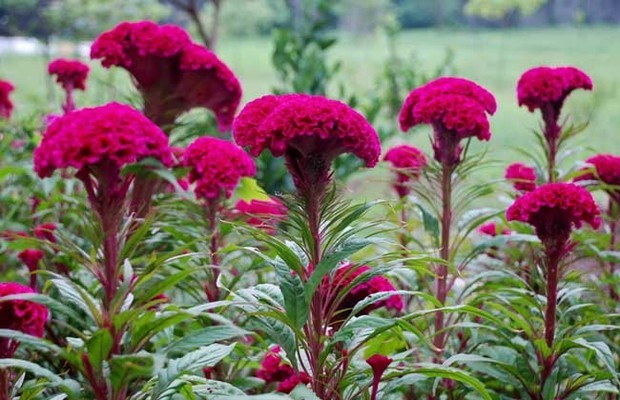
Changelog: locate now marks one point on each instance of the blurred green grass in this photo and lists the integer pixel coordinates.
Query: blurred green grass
(495, 59)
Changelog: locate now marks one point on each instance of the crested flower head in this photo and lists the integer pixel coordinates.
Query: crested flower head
(19, 315)
(112, 135)
(554, 209)
(541, 86)
(70, 74)
(408, 161)
(263, 214)
(31, 258)
(522, 177)
(172, 73)
(606, 169)
(6, 106)
(456, 108)
(274, 369)
(45, 232)
(310, 131)
(493, 229)
(344, 276)
(216, 167)
(379, 364)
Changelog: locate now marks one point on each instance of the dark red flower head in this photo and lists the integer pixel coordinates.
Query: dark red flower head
(541, 86)
(311, 131)
(6, 105)
(172, 73)
(45, 232)
(334, 285)
(264, 214)
(522, 177)
(110, 135)
(379, 363)
(493, 229)
(21, 315)
(456, 108)
(31, 258)
(605, 169)
(408, 161)
(216, 167)
(554, 209)
(70, 74)
(274, 369)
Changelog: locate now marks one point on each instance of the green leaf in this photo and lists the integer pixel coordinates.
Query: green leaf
(435, 371)
(248, 190)
(98, 348)
(32, 341)
(431, 223)
(205, 337)
(330, 261)
(124, 369)
(292, 288)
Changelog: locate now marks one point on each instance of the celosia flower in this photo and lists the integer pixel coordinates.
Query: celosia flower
(493, 229)
(546, 88)
(100, 138)
(216, 167)
(606, 169)
(456, 108)
(310, 131)
(172, 73)
(408, 162)
(274, 369)
(333, 287)
(263, 214)
(522, 177)
(553, 209)
(45, 232)
(19, 315)
(6, 105)
(379, 363)
(31, 258)
(70, 74)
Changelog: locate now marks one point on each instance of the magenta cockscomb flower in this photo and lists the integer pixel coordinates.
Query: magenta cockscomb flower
(523, 177)
(379, 364)
(45, 232)
(408, 162)
(493, 229)
(274, 369)
(19, 315)
(31, 259)
(99, 138)
(172, 73)
(333, 286)
(456, 108)
(310, 131)
(70, 74)
(216, 167)
(554, 209)
(605, 168)
(546, 88)
(263, 214)
(6, 105)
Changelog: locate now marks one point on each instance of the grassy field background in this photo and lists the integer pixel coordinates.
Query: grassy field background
(495, 59)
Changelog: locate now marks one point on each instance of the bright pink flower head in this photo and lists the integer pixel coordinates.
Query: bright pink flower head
(6, 105)
(311, 131)
(263, 214)
(216, 167)
(110, 135)
(31, 258)
(493, 229)
(554, 208)
(45, 232)
(70, 74)
(274, 369)
(344, 276)
(408, 162)
(606, 169)
(21, 315)
(456, 107)
(172, 73)
(522, 177)
(290, 383)
(542, 86)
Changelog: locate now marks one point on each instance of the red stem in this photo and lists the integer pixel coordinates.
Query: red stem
(4, 384)
(612, 245)
(441, 270)
(69, 102)
(213, 291)
(553, 257)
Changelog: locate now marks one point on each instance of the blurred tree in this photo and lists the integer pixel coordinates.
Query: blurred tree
(252, 17)
(195, 10)
(427, 13)
(26, 18)
(362, 16)
(507, 11)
